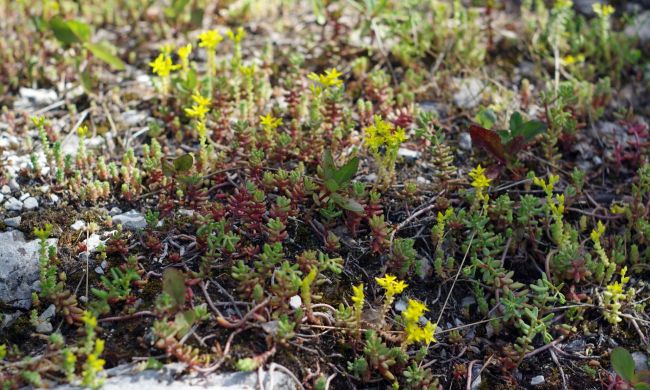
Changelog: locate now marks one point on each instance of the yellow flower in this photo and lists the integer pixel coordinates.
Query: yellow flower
(329, 79)
(391, 284)
(429, 332)
(570, 60)
(163, 66)
(559, 4)
(615, 288)
(269, 122)
(413, 333)
(414, 311)
(200, 108)
(210, 39)
(357, 295)
(480, 180)
(196, 111)
(383, 133)
(184, 52)
(603, 10)
(200, 100)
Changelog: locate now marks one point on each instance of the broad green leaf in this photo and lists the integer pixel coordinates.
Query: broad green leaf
(642, 386)
(531, 129)
(331, 185)
(167, 168)
(183, 163)
(347, 171)
(174, 286)
(347, 203)
(103, 52)
(80, 29)
(516, 121)
(623, 363)
(62, 31)
(327, 165)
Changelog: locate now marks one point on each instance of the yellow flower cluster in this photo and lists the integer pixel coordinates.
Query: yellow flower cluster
(602, 10)
(184, 54)
(358, 297)
(210, 39)
(570, 60)
(163, 64)
(612, 297)
(331, 78)
(414, 332)
(391, 285)
(269, 122)
(200, 107)
(383, 134)
(480, 182)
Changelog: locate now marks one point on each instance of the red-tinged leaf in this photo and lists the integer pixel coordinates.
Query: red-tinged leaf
(489, 141)
(515, 146)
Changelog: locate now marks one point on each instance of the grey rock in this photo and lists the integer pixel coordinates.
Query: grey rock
(130, 377)
(30, 98)
(48, 313)
(408, 154)
(5, 190)
(432, 107)
(133, 117)
(585, 6)
(13, 204)
(78, 225)
(476, 377)
(538, 380)
(92, 243)
(640, 27)
(115, 211)
(13, 185)
(465, 141)
(44, 327)
(54, 198)
(24, 196)
(30, 203)
(8, 319)
(18, 269)
(13, 222)
(468, 301)
(468, 94)
(400, 305)
(2, 198)
(131, 220)
(640, 361)
(422, 180)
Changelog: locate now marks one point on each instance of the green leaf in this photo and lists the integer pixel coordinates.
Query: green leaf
(327, 165)
(103, 52)
(153, 364)
(174, 286)
(331, 185)
(486, 118)
(347, 203)
(347, 171)
(80, 29)
(516, 121)
(168, 169)
(62, 31)
(183, 163)
(531, 129)
(623, 363)
(87, 80)
(176, 9)
(642, 386)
